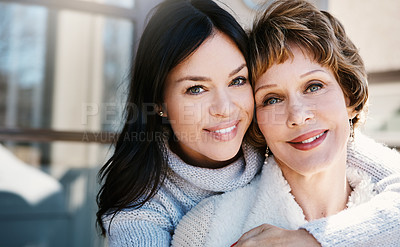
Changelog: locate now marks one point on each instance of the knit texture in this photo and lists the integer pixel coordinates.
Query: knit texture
(266, 200)
(376, 159)
(186, 185)
(196, 225)
(376, 223)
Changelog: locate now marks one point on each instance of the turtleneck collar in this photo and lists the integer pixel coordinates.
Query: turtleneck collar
(234, 175)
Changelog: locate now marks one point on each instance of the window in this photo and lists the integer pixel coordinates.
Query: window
(64, 69)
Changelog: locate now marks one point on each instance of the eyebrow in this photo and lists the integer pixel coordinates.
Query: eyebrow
(265, 86)
(235, 71)
(303, 75)
(203, 78)
(193, 78)
(312, 72)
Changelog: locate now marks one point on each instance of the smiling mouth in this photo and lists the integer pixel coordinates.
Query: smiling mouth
(313, 138)
(309, 143)
(226, 130)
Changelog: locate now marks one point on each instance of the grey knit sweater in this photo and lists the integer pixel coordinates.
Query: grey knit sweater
(186, 185)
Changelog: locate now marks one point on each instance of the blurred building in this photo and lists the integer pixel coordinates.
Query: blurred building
(64, 69)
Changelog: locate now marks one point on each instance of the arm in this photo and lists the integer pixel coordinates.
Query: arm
(148, 226)
(137, 233)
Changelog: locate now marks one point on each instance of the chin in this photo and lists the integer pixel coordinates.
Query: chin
(223, 157)
(316, 167)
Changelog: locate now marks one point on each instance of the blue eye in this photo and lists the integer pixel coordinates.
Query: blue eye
(238, 81)
(314, 87)
(271, 101)
(195, 90)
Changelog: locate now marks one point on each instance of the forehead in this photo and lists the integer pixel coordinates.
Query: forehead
(298, 62)
(276, 55)
(216, 52)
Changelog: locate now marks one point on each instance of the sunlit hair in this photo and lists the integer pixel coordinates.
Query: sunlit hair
(318, 34)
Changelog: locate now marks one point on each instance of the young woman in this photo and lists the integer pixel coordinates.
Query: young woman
(189, 107)
(310, 91)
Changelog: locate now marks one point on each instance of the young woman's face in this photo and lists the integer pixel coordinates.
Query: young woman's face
(303, 115)
(209, 102)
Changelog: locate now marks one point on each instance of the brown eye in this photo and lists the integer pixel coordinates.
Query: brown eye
(238, 81)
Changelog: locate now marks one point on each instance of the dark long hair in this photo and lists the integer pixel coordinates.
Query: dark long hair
(136, 170)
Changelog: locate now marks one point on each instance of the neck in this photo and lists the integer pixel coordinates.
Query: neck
(321, 194)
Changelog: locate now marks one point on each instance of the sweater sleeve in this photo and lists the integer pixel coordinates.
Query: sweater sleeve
(138, 233)
(149, 226)
(375, 223)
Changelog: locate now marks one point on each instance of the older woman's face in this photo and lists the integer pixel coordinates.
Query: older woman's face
(209, 102)
(303, 115)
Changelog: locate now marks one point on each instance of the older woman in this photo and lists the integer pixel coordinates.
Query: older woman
(310, 93)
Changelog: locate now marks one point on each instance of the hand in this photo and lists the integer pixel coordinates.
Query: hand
(272, 236)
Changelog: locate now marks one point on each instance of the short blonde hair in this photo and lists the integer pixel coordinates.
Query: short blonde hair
(297, 22)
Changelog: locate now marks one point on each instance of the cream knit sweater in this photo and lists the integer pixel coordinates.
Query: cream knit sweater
(185, 186)
(222, 219)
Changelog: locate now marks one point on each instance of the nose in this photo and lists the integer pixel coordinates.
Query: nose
(299, 114)
(222, 104)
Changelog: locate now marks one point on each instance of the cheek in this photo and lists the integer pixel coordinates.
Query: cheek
(335, 115)
(273, 117)
(186, 129)
(270, 133)
(182, 122)
(249, 106)
(192, 113)
(332, 104)
(245, 100)
(336, 110)
(350, 109)
(183, 112)
(262, 118)
(268, 124)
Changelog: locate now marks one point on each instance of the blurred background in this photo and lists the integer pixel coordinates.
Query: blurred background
(64, 70)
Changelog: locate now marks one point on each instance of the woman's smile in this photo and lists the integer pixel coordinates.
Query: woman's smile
(224, 131)
(305, 143)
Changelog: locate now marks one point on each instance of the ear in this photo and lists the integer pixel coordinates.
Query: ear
(351, 112)
(160, 110)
